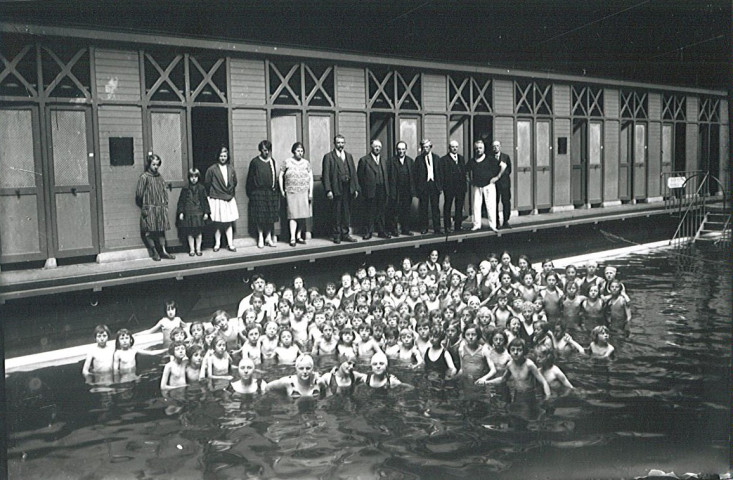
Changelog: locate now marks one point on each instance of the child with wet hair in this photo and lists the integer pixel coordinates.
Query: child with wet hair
(125, 356)
(286, 352)
(167, 323)
(438, 361)
(269, 341)
(195, 354)
(552, 374)
(520, 371)
(100, 359)
(599, 346)
(251, 348)
(174, 372)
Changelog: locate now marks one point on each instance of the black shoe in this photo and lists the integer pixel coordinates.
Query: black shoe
(424, 231)
(349, 238)
(337, 240)
(300, 240)
(166, 255)
(506, 225)
(384, 235)
(367, 236)
(458, 228)
(394, 234)
(155, 256)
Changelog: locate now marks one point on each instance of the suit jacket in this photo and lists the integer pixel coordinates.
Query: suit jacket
(393, 167)
(421, 173)
(330, 174)
(454, 176)
(367, 172)
(506, 178)
(214, 182)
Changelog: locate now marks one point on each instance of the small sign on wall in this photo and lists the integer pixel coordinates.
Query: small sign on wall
(676, 182)
(121, 151)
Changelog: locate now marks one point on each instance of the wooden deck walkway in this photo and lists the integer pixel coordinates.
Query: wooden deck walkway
(17, 284)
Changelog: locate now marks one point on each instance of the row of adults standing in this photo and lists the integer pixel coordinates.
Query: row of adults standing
(387, 186)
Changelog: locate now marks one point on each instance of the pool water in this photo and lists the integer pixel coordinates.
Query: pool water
(663, 403)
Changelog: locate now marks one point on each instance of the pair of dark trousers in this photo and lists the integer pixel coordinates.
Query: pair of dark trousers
(503, 195)
(341, 213)
(400, 211)
(375, 209)
(448, 199)
(431, 195)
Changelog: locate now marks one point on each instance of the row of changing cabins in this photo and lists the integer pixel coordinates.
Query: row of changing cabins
(79, 108)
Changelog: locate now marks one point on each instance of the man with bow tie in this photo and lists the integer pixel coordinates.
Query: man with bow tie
(455, 180)
(428, 185)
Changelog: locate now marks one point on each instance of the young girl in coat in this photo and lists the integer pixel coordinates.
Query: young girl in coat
(193, 211)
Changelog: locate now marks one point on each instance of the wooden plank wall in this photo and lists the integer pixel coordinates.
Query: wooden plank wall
(503, 97)
(610, 145)
(249, 127)
(610, 160)
(435, 93)
(353, 126)
(562, 128)
(117, 75)
(436, 129)
(248, 82)
(654, 146)
(504, 132)
(121, 216)
(350, 88)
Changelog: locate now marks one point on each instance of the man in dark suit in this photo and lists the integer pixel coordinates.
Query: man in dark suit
(503, 185)
(373, 180)
(341, 185)
(428, 185)
(401, 190)
(453, 168)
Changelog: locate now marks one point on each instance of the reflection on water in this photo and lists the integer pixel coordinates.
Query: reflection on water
(663, 403)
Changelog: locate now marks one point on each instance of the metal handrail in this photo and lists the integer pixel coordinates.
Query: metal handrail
(691, 204)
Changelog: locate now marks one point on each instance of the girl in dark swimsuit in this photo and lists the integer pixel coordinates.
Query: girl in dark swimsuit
(438, 362)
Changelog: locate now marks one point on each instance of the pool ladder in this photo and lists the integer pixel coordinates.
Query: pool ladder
(705, 217)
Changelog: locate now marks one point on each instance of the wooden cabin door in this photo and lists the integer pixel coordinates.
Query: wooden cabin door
(168, 141)
(626, 159)
(543, 165)
(667, 151)
(595, 163)
(22, 223)
(640, 161)
(410, 134)
(579, 162)
(71, 184)
(523, 187)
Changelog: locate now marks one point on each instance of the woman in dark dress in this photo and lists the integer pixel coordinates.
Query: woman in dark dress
(193, 211)
(264, 198)
(152, 198)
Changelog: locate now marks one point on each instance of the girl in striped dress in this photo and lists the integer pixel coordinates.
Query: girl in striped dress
(152, 198)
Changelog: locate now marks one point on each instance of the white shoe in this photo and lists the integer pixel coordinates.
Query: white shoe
(475, 229)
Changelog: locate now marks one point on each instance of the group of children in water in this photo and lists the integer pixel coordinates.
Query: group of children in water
(492, 324)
